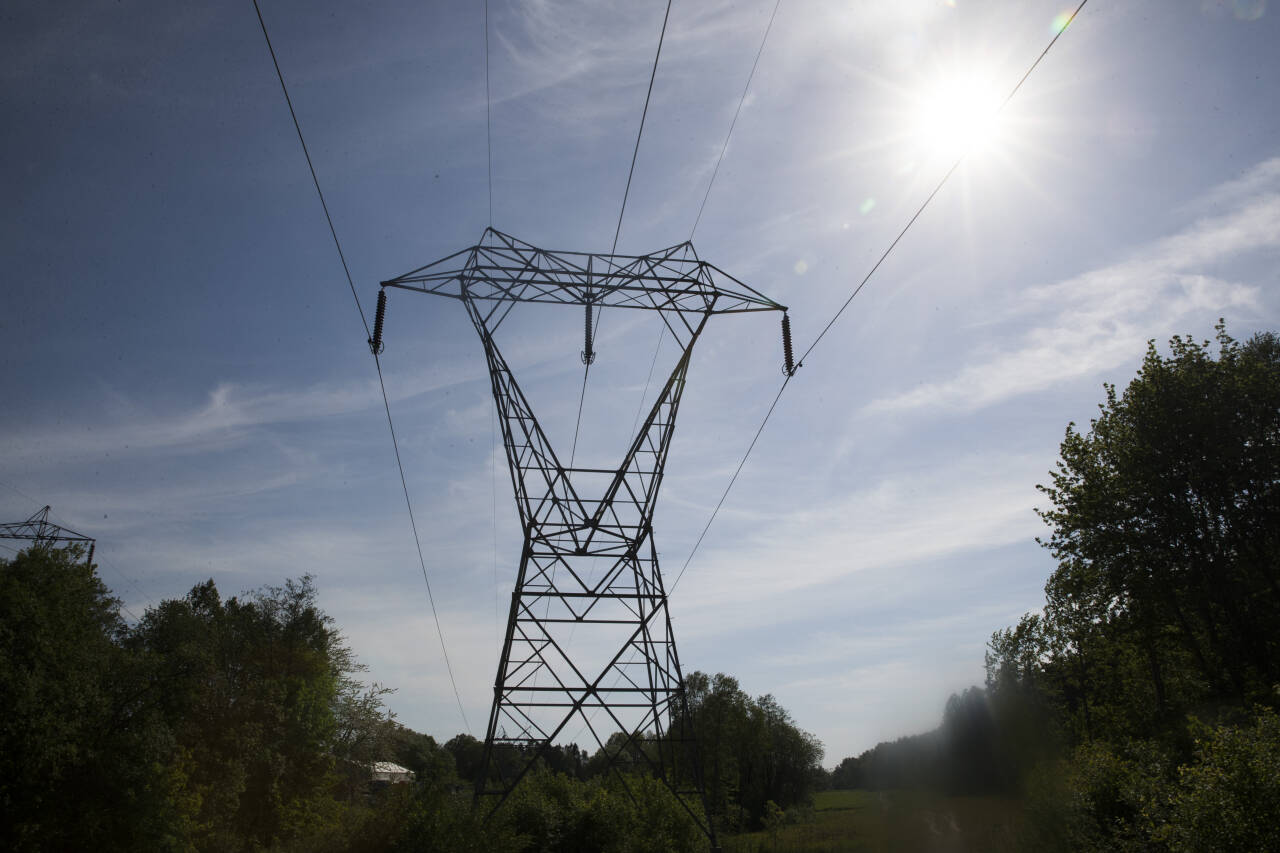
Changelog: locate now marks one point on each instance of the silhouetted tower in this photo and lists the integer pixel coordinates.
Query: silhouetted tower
(41, 531)
(588, 639)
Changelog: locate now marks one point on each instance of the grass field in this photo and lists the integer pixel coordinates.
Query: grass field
(892, 822)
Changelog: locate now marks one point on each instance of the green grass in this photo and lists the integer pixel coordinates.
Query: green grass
(892, 822)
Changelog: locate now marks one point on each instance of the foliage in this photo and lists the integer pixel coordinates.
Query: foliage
(211, 724)
(1163, 611)
(440, 819)
(752, 751)
(420, 753)
(970, 753)
(259, 695)
(1103, 798)
(1166, 527)
(555, 813)
(241, 724)
(80, 755)
(1165, 519)
(1229, 797)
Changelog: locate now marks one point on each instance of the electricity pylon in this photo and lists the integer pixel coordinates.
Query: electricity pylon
(41, 531)
(588, 631)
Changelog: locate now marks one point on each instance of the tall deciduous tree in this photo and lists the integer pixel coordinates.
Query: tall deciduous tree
(1165, 606)
(80, 752)
(752, 751)
(259, 694)
(1166, 526)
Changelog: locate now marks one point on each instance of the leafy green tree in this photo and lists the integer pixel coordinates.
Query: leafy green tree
(437, 819)
(751, 751)
(420, 753)
(80, 754)
(1103, 798)
(468, 756)
(1166, 526)
(1229, 797)
(555, 813)
(259, 695)
(1165, 519)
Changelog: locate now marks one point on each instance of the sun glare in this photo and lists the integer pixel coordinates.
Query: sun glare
(957, 116)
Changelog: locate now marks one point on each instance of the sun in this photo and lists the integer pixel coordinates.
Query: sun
(957, 115)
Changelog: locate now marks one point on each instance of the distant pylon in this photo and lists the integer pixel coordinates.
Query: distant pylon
(588, 631)
(40, 530)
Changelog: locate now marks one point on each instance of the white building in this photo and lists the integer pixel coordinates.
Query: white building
(386, 771)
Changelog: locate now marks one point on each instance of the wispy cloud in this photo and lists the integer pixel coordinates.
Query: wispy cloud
(1259, 178)
(547, 49)
(229, 413)
(1087, 324)
(971, 504)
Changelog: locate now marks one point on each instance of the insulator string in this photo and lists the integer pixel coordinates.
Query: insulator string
(375, 342)
(588, 354)
(789, 365)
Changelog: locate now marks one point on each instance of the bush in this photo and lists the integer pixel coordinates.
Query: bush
(554, 813)
(1102, 798)
(1229, 799)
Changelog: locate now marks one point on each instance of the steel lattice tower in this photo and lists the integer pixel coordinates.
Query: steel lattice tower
(40, 530)
(588, 634)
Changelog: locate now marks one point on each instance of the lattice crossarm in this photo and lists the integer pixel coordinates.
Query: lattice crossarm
(503, 269)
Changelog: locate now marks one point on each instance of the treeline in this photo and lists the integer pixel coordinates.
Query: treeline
(968, 754)
(1137, 710)
(755, 760)
(243, 724)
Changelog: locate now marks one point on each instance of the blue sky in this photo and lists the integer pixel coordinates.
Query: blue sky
(186, 377)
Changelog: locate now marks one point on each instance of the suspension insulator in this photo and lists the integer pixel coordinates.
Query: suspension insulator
(588, 354)
(789, 365)
(375, 342)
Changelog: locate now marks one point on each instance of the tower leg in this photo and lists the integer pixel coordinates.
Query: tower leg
(589, 648)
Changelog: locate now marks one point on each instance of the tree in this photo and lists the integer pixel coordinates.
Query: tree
(1229, 799)
(1165, 519)
(260, 696)
(752, 751)
(1166, 526)
(420, 753)
(79, 752)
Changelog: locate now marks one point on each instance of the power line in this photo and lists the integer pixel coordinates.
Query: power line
(662, 330)
(418, 542)
(493, 492)
(936, 189)
(488, 109)
(714, 172)
(582, 398)
(586, 370)
(314, 179)
(732, 480)
(381, 384)
(648, 380)
(733, 123)
(862, 284)
(635, 153)
(21, 493)
(645, 112)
